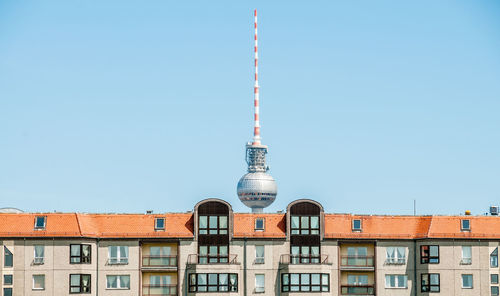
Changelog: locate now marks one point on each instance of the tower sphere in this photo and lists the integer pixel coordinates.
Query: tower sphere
(257, 190)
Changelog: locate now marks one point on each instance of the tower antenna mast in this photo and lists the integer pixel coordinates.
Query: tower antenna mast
(256, 128)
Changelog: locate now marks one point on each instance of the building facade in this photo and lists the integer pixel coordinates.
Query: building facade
(213, 251)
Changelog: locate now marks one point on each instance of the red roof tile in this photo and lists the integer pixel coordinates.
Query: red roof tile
(244, 225)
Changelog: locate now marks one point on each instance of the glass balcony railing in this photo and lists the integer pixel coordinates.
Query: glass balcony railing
(159, 261)
(357, 261)
(159, 290)
(357, 290)
(304, 259)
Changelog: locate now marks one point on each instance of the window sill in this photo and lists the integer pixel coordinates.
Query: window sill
(117, 288)
(397, 288)
(39, 289)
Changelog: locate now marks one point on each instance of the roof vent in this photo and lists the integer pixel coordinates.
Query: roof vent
(494, 210)
(467, 212)
(149, 212)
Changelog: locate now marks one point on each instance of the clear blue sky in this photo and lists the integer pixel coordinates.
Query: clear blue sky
(124, 106)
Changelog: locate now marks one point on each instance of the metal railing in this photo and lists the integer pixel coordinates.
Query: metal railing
(212, 259)
(159, 261)
(38, 261)
(304, 259)
(118, 261)
(357, 261)
(357, 290)
(395, 261)
(159, 290)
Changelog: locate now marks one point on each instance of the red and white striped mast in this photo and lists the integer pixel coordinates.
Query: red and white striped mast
(256, 129)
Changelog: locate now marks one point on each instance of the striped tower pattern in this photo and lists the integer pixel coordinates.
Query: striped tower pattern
(256, 129)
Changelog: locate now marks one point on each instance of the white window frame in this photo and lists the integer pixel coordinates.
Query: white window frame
(260, 260)
(462, 228)
(464, 260)
(471, 282)
(156, 223)
(360, 225)
(263, 224)
(263, 288)
(396, 281)
(33, 279)
(118, 282)
(38, 260)
(396, 259)
(44, 222)
(119, 259)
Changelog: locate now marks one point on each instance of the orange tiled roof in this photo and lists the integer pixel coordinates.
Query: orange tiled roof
(180, 225)
(244, 225)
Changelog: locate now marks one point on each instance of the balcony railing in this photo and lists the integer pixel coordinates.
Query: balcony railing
(159, 261)
(357, 290)
(304, 259)
(212, 259)
(159, 290)
(395, 261)
(357, 261)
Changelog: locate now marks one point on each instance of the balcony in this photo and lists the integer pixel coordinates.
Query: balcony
(159, 262)
(357, 290)
(304, 259)
(159, 290)
(395, 261)
(357, 263)
(212, 259)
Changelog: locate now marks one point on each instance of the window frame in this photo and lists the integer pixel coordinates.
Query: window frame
(428, 256)
(260, 260)
(38, 260)
(471, 282)
(263, 220)
(494, 254)
(194, 287)
(8, 283)
(156, 224)
(81, 256)
(263, 288)
(462, 228)
(118, 282)
(219, 230)
(33, 280)
(305, 230)
(44, 226)
(396, 281)
(464, 260)
(119, 259)
(7, 253)
(360, 228)
(81, 283)
(430, 285)
(397, 260)
(494, 293)
(288, 288)
(494, 282)
(220, 258)
(7, 289)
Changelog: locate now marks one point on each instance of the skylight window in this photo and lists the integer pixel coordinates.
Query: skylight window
(259, 224)
(465, 225)
(356, 225)
(40, 222)
(159, 223)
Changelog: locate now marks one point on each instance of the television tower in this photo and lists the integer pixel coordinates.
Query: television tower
(256, 189)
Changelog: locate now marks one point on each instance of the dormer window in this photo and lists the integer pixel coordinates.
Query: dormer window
(259, 224)
(40, 222)
(159, 223)
(465, 225)
(356, 225)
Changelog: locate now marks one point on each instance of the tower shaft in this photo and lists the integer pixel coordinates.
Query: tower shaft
(256, 128)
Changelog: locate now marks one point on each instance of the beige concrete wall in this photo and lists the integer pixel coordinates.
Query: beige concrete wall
(384, 268)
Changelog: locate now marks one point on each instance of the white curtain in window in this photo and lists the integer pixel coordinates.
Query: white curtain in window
(259, 281)
(125, 281)
(113, 252)
(391, 253)
(223, 279)
(466, 252)
(401, 252)
(75, 280)
(39, 251)
(112, 281)
(75, 250)
(124, 252)
(86, 250)
(259, 251)
(402, 280)
(155, 251)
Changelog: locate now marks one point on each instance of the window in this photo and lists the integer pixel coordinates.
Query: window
(7, 291)
(357, 256)
(465, 225)
(260, 283)
(396, 255)
(494, 291)
(259, 254)
(356, 225)
(213, 225)
(466, 255)
(213, 282)
(79, 283)
(429, 254)
(39, 251)
(259, 224)
(79, 254)
(40, 222)
(396, 281)
(213, 254)
(118, 282)
(494, 278)
(305, 282)
(118, 255)
(430, 282)
(160, 256)
(466, 281)
(305, 225)
(7, 279)
(494, 258)
(159, 223)
(39, 282)
(305, 254)
(8, 258)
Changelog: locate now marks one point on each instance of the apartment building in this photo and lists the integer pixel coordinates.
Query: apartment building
(213, 251)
